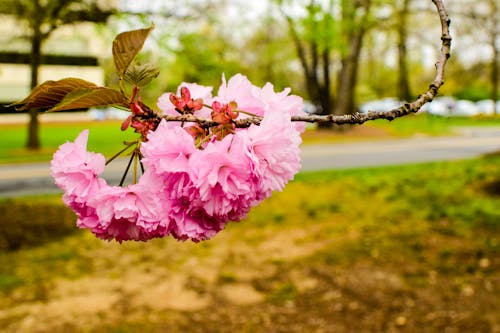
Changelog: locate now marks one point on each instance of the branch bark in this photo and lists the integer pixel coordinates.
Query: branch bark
(358, 118)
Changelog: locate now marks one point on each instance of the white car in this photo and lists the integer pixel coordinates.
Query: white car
(440, 106)
(487, 106)
(381, 105)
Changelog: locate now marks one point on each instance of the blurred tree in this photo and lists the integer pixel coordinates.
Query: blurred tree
(41, 18)
(266, 54)
(482, 23)
(313, 37)
(355, 21)
(202, 56)
(330, 37)
(403, 85)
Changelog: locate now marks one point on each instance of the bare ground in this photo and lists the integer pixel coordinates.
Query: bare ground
(288, 282)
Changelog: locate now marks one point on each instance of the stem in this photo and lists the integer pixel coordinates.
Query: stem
(247, 113)
(134, 175)
(205, 139)
(126, 170)
(128, 145)
(142, 167)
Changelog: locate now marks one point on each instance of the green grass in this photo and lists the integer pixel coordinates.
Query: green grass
(431, 125)
(422, 124)
(106, 137)
(334, 246)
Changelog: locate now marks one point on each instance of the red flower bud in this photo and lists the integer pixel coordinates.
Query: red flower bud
(126, 123)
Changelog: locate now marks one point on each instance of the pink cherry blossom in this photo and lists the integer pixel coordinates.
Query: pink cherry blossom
(222, 172)
(240, 90)
(130, 213)
(274, 146)
(196, 180)
(76, 171)
(168, 149)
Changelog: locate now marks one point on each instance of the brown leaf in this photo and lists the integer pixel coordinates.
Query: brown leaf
(50, 93)
(83, 98)
(126, 46)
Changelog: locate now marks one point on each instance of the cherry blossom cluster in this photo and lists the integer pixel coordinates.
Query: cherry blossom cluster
(195, 179)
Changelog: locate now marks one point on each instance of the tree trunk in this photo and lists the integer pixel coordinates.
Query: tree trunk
(355, 29)
(494, 75)
(347, 78)
(325, 96)
(33, 141)
(496, 56)
(313, 66)
(403, 87)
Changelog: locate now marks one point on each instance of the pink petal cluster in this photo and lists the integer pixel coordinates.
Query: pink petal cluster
(187, 191)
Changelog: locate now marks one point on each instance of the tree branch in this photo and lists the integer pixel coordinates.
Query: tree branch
(358, 118)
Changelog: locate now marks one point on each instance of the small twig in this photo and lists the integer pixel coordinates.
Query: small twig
(142, 166)
(134, 175)
(126, 170)
(128, 145)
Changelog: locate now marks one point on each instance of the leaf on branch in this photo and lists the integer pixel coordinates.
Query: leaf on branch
(82, 98)
(141, 75)
(126, 46)
(51, 93)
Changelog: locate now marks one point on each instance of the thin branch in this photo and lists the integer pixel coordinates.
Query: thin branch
(126, 169)
(358, 118)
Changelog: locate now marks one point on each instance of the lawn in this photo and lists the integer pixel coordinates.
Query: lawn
(106, 137)
(395, 249)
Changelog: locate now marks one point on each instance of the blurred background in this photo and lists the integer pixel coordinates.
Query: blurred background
(389, 227)
(380, 49)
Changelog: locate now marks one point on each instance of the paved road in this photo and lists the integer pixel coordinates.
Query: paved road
(34, 178)
(470, 143)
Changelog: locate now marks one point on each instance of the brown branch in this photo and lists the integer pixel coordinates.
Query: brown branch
(358, 118)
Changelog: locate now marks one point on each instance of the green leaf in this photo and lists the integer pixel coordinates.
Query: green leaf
(83, 98)
(141, 75)
(50, 93)
(126, 46)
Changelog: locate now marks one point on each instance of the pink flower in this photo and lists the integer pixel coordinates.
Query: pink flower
(196, 180)
(195, 225)
(240, 90)
(76, 171)
(222, 173)
(274, 148)
(282, 102)
(131, 213)
(168, 149)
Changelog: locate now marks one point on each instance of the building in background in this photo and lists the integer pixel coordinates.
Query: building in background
(71, 51)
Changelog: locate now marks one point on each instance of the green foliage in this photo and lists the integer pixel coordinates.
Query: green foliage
(203, 57)
(473, 92)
